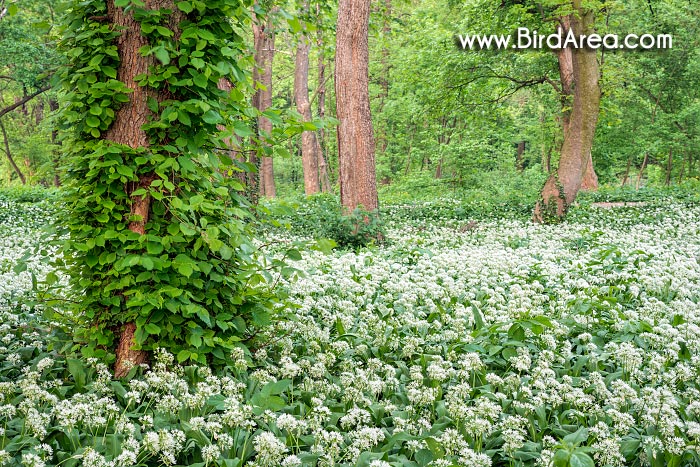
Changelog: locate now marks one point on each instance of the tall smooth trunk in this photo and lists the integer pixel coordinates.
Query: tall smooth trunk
(264, 44)
(309, 143)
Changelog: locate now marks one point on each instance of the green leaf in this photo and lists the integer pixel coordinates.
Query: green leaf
(561, 458)
(162, 55)
(580, 459)
(294, 255)
(212, 117)
(578, 437)
(241, 129)
(152, 328)
(185, 7)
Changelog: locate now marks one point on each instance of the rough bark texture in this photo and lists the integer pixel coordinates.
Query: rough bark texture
(309, 143)
(358, 185)
(127, 130)
(264, 43)
(579, 123)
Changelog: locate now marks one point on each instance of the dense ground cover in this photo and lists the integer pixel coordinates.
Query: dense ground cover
(462, 341)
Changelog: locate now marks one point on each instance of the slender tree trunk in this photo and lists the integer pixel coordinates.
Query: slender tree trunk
(641, 170)
(358, 185)
(309, 143)
(322, 164)
(627, 172)
(264, 43)
(669, 167)
(561, 188)
(127, 129)
(520, 151)
(53, 107)
(8, 153)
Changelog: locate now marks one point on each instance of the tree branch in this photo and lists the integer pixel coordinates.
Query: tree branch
(23, 101)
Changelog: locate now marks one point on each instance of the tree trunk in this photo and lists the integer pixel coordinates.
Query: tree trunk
(627, 172)
(358, 185)
(590, 178)
(264, 43)
(641, 170)
(386, 68)
(669, 167)
(14, 165)
(53, 107)
(322, 164)
(520, 151)
(579, 124)
(309, 143)
(127, 130)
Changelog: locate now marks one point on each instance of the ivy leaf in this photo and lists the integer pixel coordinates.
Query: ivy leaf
(162, 55)
(185, 7)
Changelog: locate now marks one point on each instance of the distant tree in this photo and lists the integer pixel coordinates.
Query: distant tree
(264, 44)
(310, 147)
(356, 144)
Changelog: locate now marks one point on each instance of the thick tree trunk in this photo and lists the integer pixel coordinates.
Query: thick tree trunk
(8, 153)
(579, 125)
(127, 130)
(590, 178)
(309, 143)
(264, 43)
(358, 185)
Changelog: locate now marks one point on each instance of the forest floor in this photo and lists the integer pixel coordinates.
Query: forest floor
(505, 343)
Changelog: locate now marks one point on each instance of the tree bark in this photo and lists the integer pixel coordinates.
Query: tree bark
(127, 129)
(520, 151)
(53, 107)
(627, 172)
(264, 44)
(358, 186)
(14, 165)
(579, 125)
(641, 170)
(309, 143)
(322, 164)
(669, 167)
(590, 178)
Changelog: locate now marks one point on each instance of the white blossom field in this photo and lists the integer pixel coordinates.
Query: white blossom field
(456, 343)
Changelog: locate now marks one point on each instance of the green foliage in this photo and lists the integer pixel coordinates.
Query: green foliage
(321, 216)
(192, 282)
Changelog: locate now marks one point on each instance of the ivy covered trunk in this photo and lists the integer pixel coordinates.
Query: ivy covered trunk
(358, 187)
(157, 244)
(578, 69)
(127, 129)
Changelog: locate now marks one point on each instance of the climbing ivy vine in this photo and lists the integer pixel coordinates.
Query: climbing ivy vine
(191, 283)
